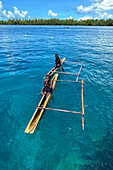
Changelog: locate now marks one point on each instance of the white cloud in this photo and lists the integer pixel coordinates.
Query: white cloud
(99, 8)
(19, 14)
(1, 7)
(106, 15)
(24, 13)
(70, 17)
(9, 14)
(4, 15)
(53, 14)
(85, 18)
(94, 1)
(84, 10)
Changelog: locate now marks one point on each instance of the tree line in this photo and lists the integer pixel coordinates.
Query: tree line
(53, 21)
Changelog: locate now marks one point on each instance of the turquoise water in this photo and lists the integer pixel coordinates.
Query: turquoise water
(26, 55)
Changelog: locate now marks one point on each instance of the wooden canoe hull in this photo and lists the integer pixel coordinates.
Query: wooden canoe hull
(53, 70)
(39, 112)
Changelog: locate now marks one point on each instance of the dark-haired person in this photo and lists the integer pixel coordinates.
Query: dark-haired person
(58, 62)
(47, 87)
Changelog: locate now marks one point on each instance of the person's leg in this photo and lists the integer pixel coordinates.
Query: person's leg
(62, 68)
(55, 66)
(47, 94)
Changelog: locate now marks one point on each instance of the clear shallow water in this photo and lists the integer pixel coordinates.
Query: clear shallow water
(26, 55)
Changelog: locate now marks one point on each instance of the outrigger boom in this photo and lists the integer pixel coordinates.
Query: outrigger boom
(44, 101)
(60, 110)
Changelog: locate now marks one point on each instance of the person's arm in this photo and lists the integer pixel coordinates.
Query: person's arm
(55, 62)
(43, 88)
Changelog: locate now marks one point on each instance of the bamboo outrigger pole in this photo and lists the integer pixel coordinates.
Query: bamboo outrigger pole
(67, 73)
(72, 62)
(70, 81)
(79, 71)
(59, 110)
(82, 106)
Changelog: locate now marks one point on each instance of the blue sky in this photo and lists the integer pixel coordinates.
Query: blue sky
(65, 9)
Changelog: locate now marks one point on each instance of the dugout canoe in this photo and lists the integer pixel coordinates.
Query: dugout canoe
(53, 70)
(39, 112)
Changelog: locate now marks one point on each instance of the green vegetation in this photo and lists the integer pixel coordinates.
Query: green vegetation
(89, 22)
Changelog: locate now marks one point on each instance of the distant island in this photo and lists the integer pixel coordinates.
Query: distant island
(53, 21)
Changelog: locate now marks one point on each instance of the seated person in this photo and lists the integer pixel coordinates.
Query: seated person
(58, 62)
(47, 87)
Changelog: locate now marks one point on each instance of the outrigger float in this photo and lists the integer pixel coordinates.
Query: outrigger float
(42, 106)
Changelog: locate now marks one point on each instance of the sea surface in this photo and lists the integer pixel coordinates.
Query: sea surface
(58, 143)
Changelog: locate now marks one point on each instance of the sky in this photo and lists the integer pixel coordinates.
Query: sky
(65, 9)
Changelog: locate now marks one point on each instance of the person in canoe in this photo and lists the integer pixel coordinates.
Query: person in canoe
(47, 87)
(58, 62)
